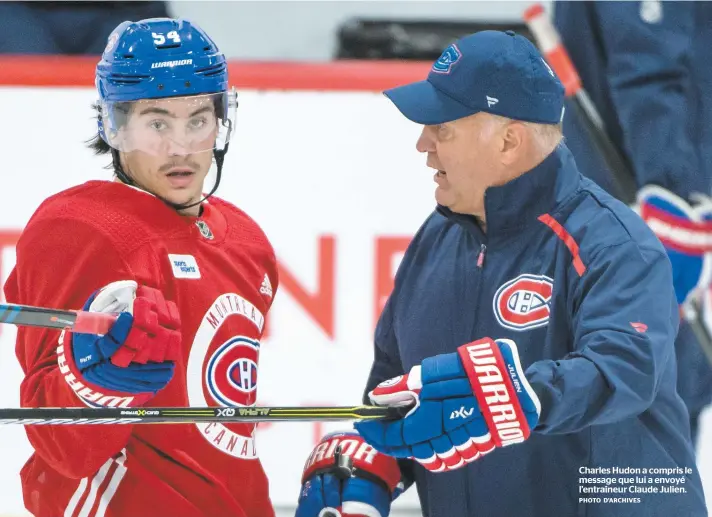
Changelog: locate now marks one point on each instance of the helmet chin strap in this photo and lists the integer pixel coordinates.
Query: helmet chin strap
(126, 178)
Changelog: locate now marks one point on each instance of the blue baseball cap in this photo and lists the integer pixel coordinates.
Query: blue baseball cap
(497, 72)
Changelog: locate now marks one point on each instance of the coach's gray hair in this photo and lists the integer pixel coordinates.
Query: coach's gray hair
(547, 136)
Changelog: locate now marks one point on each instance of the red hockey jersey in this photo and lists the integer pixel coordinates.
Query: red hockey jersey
(221, 271)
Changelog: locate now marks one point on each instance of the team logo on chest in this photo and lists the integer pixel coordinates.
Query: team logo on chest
(222, 370)
(524, 302)
(231, 373)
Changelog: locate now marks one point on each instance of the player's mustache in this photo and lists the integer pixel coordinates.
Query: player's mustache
(187, 163)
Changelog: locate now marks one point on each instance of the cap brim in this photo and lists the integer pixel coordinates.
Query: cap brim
(424, 104)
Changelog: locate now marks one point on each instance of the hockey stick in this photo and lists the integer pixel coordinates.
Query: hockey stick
(78, 321)
(549, 41)
(100, 323)
(189, 415)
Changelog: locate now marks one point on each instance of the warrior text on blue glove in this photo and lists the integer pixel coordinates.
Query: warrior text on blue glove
(465, 404)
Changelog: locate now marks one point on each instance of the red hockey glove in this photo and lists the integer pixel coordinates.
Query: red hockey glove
(136, 357)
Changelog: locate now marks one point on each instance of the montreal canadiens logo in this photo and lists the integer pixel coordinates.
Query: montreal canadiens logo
(523, 303)
(390, 382)
(231, 373)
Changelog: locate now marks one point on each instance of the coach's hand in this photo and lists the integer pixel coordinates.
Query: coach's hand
(138, 353)
(466, 404)
(346, 477)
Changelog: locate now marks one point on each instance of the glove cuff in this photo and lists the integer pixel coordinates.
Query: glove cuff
(679, 226)
(496, 394)
(364, 461)
(91, 394)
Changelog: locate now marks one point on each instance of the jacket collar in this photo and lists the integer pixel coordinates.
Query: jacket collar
(511, 207)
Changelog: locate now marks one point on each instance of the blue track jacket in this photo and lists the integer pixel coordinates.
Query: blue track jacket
(584, 288)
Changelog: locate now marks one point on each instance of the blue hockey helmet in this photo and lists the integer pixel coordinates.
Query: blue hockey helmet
(172, 60)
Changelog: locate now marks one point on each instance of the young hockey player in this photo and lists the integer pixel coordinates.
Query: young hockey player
(191, 275)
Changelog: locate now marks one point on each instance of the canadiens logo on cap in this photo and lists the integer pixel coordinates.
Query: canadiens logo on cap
(524, 302)
(447, 60)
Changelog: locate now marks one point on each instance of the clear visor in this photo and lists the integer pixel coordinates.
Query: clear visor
(171, 126)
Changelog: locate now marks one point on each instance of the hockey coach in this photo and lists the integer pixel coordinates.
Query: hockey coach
(531, 323)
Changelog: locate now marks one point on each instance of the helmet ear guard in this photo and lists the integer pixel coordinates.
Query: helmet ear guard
(100, 108)
(100, 126)
(109, 121)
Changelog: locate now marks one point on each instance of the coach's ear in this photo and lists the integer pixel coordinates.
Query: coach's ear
(513, 137)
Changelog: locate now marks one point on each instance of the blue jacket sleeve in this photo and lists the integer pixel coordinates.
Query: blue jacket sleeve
(624, 324)
(386, 365)
(386, 362)
(651, 87)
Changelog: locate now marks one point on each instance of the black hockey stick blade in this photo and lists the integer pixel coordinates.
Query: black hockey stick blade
(78, 321)
(225, 415)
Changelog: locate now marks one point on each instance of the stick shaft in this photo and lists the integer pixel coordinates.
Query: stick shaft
(78, 321)
(106, 415)
(100, 323)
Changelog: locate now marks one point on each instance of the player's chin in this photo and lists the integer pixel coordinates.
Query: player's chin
(182, 196)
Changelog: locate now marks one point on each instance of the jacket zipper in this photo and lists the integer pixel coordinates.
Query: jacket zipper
(480, 265)
(481, 256)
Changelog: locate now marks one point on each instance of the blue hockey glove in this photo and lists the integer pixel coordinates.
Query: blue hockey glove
(684, 230)
(138, 353)
(466, 404)
(346, 477)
